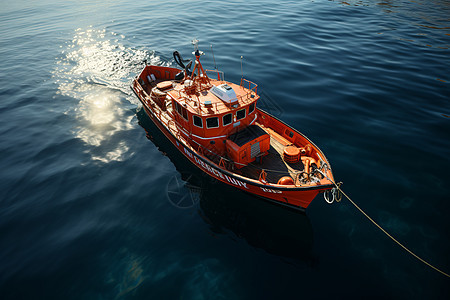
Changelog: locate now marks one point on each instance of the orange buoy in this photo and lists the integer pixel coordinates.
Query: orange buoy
(291, 154)
(286, 180)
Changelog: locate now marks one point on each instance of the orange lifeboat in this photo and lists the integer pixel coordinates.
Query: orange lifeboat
(217, 126)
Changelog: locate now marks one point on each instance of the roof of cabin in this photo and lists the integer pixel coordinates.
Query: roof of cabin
(195, 103)
(247, 134)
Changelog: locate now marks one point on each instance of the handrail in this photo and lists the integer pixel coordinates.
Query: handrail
(246, 98)
(251, 85)
(221, 163)
(219, 78)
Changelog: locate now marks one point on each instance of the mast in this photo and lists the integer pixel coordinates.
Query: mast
(201, 78)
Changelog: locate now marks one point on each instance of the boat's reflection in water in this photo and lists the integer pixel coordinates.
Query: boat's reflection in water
(278, 230)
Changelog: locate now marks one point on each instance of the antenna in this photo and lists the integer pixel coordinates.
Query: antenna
(242, 70)
(215, 67)
(195, 43)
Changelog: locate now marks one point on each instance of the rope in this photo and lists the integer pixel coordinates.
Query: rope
(385, 232)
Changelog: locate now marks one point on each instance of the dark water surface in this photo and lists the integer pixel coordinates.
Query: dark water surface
(95, 204)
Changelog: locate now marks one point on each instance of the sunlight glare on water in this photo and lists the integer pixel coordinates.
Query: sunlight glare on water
(94, 69)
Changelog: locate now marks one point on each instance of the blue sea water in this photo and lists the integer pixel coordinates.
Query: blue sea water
(96, 204)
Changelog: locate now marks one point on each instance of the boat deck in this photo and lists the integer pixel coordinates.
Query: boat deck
(273, 163)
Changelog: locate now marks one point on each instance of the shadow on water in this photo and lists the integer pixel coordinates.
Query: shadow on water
(277, 230)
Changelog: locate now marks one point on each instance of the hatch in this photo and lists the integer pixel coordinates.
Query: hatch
(244, 146)
(225, 93)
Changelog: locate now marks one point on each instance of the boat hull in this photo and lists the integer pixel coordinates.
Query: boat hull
(296, 197)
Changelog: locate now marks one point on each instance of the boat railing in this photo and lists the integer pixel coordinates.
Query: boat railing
(197, 108)
(219, 74)
(216, 157)
(140, 90)
(245, 99)
(248, 97)
(249, 85)
(252, 90)
(225, 163)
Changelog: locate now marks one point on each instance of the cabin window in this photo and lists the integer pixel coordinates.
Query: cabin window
(212, 122)
(181, 111)
(184, 113)
(198, 121)
(227, 119)
(240, 114)
(177, 107)
(251, 108)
